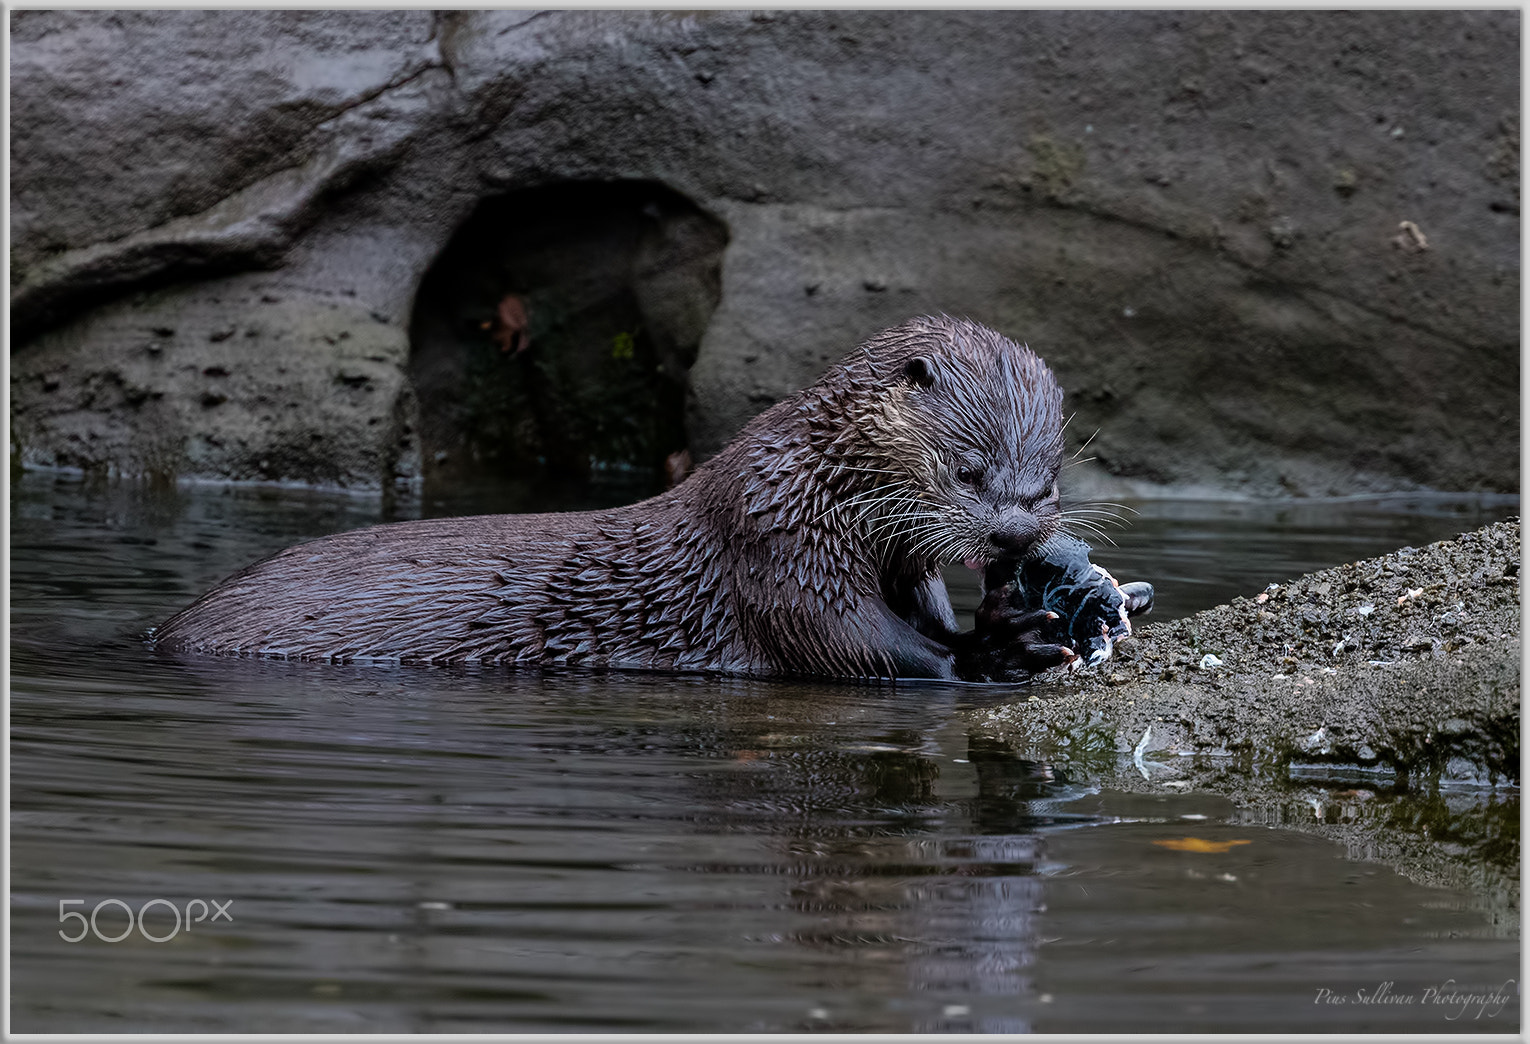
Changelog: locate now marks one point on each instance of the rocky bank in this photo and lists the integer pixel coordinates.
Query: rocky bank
(1376, 705)
(1406, 666)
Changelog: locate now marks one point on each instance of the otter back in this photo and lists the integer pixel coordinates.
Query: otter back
(811, 545)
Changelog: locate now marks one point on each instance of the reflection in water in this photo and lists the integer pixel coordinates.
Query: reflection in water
(461, 850)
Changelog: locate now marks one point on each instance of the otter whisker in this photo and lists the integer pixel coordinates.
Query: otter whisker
(1103, 517)
(909, 532)
(1084, 527)
(1094, 505)
(1084, 523)
(913, 530)
(940, 545)
(892, 488)
(879, 522)
(889, 523)
(1099, 514)
(1074, 526)
(887, 494)
(861, 469)
(1102, 504)
(1085, 444)
(892, 494)
(906, 528)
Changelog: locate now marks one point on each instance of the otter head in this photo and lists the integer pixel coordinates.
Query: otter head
(972, 422)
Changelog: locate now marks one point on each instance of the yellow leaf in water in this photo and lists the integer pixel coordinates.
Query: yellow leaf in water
(1198, 844)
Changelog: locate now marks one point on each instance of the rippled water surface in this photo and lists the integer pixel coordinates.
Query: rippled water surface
(424, 849)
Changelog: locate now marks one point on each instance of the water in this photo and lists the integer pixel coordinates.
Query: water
(443, 850)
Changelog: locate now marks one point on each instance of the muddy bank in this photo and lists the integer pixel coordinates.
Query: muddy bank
(1405, 665)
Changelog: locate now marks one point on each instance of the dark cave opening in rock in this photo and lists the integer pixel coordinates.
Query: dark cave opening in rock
(553, 336)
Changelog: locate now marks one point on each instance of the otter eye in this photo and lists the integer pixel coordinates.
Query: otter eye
(968, 475)
(920, 370)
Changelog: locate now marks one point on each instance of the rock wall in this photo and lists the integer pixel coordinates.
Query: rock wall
(1265, 251)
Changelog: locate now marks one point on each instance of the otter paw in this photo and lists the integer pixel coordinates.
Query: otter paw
(1011, 643)
(1093, 609)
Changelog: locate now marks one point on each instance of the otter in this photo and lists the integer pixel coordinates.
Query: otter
(810, 546)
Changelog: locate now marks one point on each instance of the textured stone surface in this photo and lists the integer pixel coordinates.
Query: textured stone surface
(1409, 662)
(1196, 217)
(175, 143)
(214, 381)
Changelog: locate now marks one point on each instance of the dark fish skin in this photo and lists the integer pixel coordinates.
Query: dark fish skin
(810, 546)
(1091, 609)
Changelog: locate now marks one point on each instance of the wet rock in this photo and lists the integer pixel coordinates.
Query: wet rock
(1426, 694)
(1059, 182)
(293, 403)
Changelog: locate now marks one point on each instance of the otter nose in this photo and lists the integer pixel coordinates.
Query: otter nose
(1014, 532)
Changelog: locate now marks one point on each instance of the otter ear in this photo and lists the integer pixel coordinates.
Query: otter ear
(920, 370)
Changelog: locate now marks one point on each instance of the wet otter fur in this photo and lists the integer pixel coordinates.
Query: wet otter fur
(811, 545)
